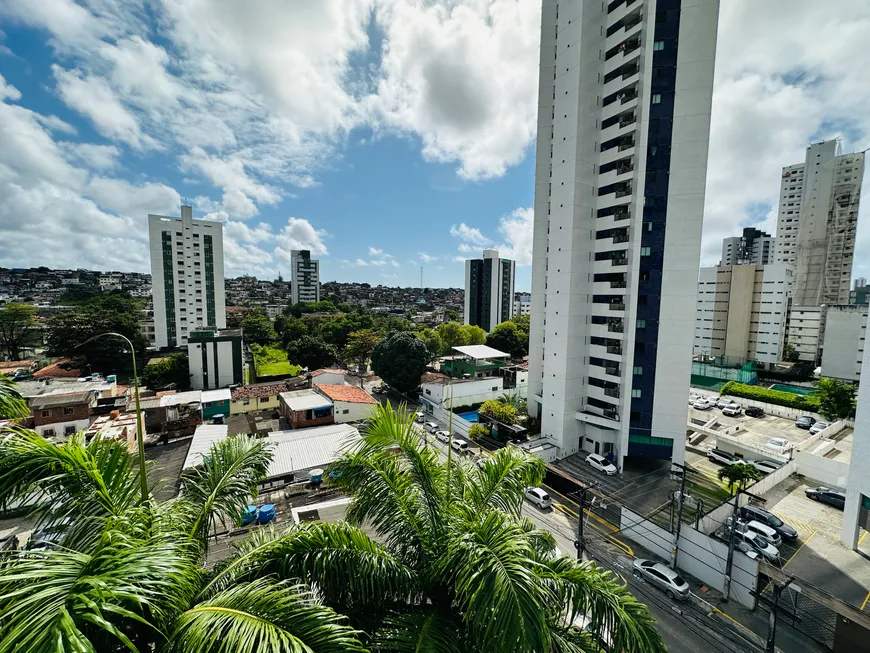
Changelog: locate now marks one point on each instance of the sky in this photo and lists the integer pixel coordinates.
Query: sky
(384, 135)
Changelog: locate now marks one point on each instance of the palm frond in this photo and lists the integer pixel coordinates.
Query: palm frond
(503, 480)
(58, 601)
(574, 640)
(12, 404)
(225, 482)
(492, 568)
(263, 615)
(603, 601)
(422, 630)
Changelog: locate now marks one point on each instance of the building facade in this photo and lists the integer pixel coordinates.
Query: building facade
(305, 271)
(843, 341)
(860, 294)
(214, 359)
(623, 131)
(856, 514)
(742, 312)
(187, 276)
(754, 247)
(806, 326)
(522, 303)
(489, 290)
(818, 216)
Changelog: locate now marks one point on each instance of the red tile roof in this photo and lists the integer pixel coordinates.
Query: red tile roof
(431, 377)
(55, 369)
(349, 393)
(327, 370)
(14, 365)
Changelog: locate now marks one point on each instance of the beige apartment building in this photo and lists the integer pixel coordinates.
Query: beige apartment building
(742, 312)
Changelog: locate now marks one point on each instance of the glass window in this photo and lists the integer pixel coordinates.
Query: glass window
(657, 98)
(638, 371)
(644, 251)
(641, 324)
(635, 393)
(658, 45)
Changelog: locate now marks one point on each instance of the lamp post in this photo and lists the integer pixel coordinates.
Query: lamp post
(140, 436)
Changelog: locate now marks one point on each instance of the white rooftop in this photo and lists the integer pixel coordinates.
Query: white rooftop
(304, 449)
(481, 351)
(204, 436)
(215, 395)
(179, 398)
(305, 400)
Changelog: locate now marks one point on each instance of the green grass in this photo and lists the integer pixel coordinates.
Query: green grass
(277, 369)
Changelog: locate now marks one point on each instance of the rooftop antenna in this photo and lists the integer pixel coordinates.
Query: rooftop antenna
(421, 277)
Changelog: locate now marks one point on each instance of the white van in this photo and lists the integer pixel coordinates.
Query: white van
(460, 445)
(431, 427)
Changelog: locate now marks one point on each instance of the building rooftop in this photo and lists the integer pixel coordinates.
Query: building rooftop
(266, 389)
(179, 398)
(44, 388)
(304, 449)
(7, 366)
(327, 370)
(55, 369)
(204, 436)
(223, 394)
(111, 428)
(55, 401)
(349, 393)
(305, 400)
(480, 351)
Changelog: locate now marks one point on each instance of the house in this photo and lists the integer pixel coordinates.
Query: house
(17, 368)
(350, 403)
(56, 370)
(327, 377)
(115, 426)
(304, 408)
(215, 402)
(461, 392)
(171, 415)
(62, 414)
(474, 361)
(263, 396)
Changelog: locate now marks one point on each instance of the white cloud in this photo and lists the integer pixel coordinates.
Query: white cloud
(469, 234)
(360, 262)
(374, 251)
(97, 157)
(299, 233)
(426, 258)
(394, 263)
(515, 229)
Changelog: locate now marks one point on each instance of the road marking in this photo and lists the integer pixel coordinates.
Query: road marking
(622, 545)
(738, 624)
(866, 598)
(803, 544)
(861, 539)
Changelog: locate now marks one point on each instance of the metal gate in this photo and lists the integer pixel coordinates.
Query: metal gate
(805, 615)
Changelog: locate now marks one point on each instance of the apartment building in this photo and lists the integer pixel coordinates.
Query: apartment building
(754, 247)
(305, 271)
(489, 290)
(187, 276)
(623, 134)
(522, 303)
(806, 326)
(742, 312)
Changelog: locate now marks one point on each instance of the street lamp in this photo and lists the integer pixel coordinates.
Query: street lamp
(140, 436)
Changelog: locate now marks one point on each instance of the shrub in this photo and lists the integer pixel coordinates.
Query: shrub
(776, 397)
(476, 431)
(499, 411)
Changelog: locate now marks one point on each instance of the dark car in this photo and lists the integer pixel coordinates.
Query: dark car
(826, 495)
(805, 422)
(754, 411)
(754, 513)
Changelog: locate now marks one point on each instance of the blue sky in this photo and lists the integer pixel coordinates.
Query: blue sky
(382, 134)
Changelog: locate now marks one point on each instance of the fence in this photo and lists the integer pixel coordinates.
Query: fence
(652, 537)
(770, 409)
(774, 479)
(805, 615)
(735, 445)
(827, 432)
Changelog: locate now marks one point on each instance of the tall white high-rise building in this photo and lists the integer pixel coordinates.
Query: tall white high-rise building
(489, 290)
(187, 276)
(856, 514)
(623, 132)
(818, 216)
(305, 274)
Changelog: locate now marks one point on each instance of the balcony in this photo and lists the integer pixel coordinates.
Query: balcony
(615, 262)
(615, 326)
(612, 392)
(620, 238)
(616, 306)
(618, 284)
(612, 370)
(614, 349)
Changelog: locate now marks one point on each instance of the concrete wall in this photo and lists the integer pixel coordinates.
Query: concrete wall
(355, 411)
(714, 519)
(706, 559)
(647, 534)
(843, 350)
(748, 450)
(772, 480)
(58, 429)
(858, 483)
(329, 378)
(828, 471)
(464, 393)
(442, 415)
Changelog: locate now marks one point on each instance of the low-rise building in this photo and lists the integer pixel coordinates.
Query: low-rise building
(171, 415)
(57, 415)
(304, 408)
(17, 368)
(263, 396)
(461, 392)
(843, 348)
(522, 303)
(474, 361)
(215, 358)
(806, 324)
(350, 403)
(215, 402)
(328, 376)
(115, 426)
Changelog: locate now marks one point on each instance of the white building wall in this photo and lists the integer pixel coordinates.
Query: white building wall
(351, 411)
(463, 393)
(300, 291)
(843, 349)
(805, 324)
(219, 356)
(329, 378)
(58, 429)
(858, 484)
(772, 313)
(523, 304)
(703, 344)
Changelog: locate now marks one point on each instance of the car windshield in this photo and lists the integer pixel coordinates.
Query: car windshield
(678, 581)
(774, 521)
(761, 540)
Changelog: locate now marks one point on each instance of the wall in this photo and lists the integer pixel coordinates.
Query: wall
(254, 404)
(644, 532)
(772, 480)
(442, 415)
(63, 414)
(828, 471)
(858, 483)
(713, 520)
(59, 428)
(843, 351)
(749, 451)
(355, 411)
(706, 559)
(329, 378)
(212, 408)
(464, 393)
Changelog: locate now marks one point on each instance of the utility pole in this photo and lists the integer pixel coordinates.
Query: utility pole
(679, 512)
(581, 542)
(730, 561)
(771, 624)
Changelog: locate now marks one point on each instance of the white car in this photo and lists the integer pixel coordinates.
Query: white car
(539, 497)
(765, 466)
(664, 577)
(779, 445)
(693, 399)
(443, 436)
(601, 464)
(432, 427)
(702, 404)
(761, 529)
(724, 403)
(759, 543)
(818, 427)
(420, 418)
(732, 410)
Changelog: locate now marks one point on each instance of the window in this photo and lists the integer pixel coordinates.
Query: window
(69, 430)
(428, 392)
(641, 324)
(68, 410)
(644, 251)
(658, 45)
(264, 400)
(657, 98)
(46, 413)
(638, 371)
(635, 393)
(346, 411)
(48, 433)
(495, 388)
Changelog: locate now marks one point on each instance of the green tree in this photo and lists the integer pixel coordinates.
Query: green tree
(434, 343)
(16, 328)
(257, 327)
(400, 360)
(476, 431)
(738, 474)
(360, 345)
(452, 335)
(298, 310)
(290, 328)
(836, 399)
(506, 337)
(311, 352)
(789, 353)
(473, 334)
(12, 404)
(515, 401)
(504, 413)
(452, 315)
(523, 323)
(171, 371)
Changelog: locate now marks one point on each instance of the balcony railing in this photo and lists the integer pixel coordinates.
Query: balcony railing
(612, 370)
(618, 283)
(621, 238)
(626, 145)
(618, 261)
(616, 306)
(628, 120)
(623, 192)
(614, 349)
(611, 392)
(614, 327)
(622, 214)
(611, 413)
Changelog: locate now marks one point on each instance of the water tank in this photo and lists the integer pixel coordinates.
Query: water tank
(115, 414)
(266, 513)
(316, 476)
(249, 515)
(111, 378)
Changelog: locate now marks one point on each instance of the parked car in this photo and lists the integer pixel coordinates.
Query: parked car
(765, 466)
(721, 457)
(601, 464)
(420, 418)
(779, 445)
(759, 543)
(443, 436)
(663, 577)
(746, 549)
(693, 399)
(826, 495)
(702, 404)
(724, 402)
(459, 445)
(732, 410)
(754, 513)
(754, 411)
(818, 427)
(805, 422)
(432, 427)
(764, 530)
(539, 497)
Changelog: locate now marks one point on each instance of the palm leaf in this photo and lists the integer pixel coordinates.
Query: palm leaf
(503, 480)
(12, 404)
(262, 616)
(423, 630)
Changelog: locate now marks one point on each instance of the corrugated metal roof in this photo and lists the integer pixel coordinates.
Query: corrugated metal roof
(481, 351)
(305, 400)
(204, 436)
(47, 401)
(215, 395)
(191, 397)
(303, 449)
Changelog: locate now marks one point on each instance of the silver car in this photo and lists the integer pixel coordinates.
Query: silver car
(664, 577)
